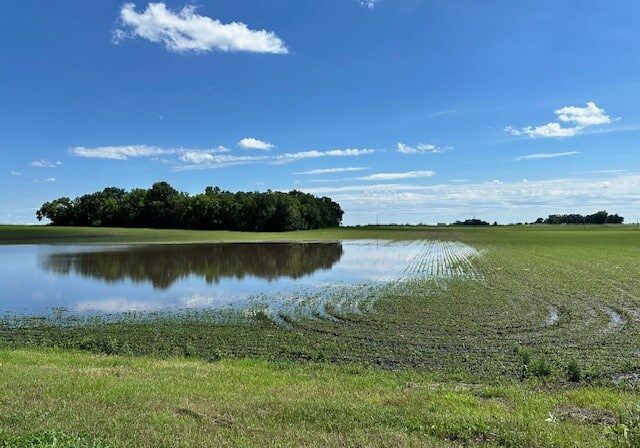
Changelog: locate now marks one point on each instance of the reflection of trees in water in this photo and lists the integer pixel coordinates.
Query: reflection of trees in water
(163, 265)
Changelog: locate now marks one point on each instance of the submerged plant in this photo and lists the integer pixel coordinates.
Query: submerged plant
(574, 372)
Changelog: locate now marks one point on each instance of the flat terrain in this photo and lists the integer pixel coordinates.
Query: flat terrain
(542, 350)
(68, 399)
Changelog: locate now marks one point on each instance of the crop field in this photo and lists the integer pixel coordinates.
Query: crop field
(537, 324)
(560, 294)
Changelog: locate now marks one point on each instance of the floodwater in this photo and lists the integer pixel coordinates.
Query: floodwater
(108, 279)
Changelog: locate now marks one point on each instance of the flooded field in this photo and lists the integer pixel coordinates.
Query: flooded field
(112, 279)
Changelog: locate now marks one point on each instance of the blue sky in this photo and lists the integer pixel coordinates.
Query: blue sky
(413, 110)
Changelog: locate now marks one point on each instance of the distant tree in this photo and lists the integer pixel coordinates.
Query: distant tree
(601, 217)
(597, 218)
(615, 219)
(471, 222)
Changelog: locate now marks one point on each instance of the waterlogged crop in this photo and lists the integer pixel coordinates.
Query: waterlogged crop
(461, 301)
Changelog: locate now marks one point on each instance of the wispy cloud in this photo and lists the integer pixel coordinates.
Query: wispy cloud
(314, 154)
(330, 170)
(604, 172)
(15, 173)
(368, 3)
(254, 143)
(577, 118)
(205, 158)
(421, 148)
(548, 155)
(45, 164)
(185, 31)
(202, 155)
(398, 176)
(203, 161)
(276, 159)
(497, 198)
(442, 112)
(45, 180)
(117, 152)
(127, 152)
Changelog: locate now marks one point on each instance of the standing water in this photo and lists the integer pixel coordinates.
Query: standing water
(108, 279)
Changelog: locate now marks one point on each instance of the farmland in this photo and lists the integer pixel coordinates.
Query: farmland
(549, 324)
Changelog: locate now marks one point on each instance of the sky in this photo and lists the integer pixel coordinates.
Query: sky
(408, 111)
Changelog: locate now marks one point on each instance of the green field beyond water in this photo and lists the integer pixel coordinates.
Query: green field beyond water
(542, 351)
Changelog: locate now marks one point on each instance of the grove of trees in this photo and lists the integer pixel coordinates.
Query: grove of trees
(162, 206)
(471, 222)
(601, 217)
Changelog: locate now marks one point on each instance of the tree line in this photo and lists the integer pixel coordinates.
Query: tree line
(601, 217)
(471, 222)
(162, 206)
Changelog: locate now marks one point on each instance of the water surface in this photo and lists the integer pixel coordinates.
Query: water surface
(37, 279)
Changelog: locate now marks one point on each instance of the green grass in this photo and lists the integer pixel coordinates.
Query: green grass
(85, 400)
(485, 361)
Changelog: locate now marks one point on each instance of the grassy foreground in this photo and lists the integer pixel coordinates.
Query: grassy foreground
(52, 398)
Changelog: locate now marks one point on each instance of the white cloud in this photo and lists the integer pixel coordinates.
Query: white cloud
(579, 118)
(616, 193)
(200, 161)
(137, 151)
(368, 3)
(45, 164)
(205, 158)
(117, 152)
(590, 115)
(550, 130)
(611, 171)
(46, 180)
(199, 156)
(348, 152)
(185, 31)
(421, 148)
(442, 112)
(290, 157)
(548, 155)
(15, 173)
(331, 170)
(254, 143)
(397, 176)
(203, 161)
